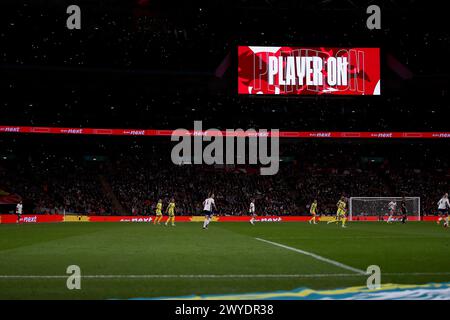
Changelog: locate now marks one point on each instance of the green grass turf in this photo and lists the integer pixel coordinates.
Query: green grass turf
(224, 249)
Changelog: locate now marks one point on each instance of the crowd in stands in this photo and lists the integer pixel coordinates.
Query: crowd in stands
(190, 185)
(55, 186)
(131, 184)
(141, 66)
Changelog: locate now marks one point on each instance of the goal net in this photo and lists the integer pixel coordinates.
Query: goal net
(361, 207)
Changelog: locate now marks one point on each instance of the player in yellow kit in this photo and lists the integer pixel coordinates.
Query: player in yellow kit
(171, 211)
(341, 211)
(313, 212)
(158, 211)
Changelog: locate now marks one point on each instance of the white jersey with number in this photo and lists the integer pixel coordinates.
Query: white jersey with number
(19, 208)
(443, 204)
(207, 204)
(252, 208)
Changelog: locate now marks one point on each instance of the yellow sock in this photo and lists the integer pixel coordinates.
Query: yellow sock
(343, 221)
(173, 220)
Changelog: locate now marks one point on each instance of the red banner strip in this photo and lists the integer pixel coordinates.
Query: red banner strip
(47, 218)
(282, 134)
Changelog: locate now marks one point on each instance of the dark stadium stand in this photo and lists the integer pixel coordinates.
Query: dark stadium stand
(126, 175)
(169, 58)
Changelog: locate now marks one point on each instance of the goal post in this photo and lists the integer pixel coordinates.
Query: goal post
(379, 206)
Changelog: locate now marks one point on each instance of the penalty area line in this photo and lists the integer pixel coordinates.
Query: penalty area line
(316, 256)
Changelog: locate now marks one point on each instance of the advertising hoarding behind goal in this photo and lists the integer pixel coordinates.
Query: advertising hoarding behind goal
(308, 71)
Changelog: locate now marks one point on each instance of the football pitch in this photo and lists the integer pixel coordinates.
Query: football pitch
(141, 260)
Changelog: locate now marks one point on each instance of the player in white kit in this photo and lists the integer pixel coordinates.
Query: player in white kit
(443, 207)
(19, 210)
(208, 206)
(392, 206)
(252, 212)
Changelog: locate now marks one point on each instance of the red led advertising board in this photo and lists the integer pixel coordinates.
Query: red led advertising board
(308, 71)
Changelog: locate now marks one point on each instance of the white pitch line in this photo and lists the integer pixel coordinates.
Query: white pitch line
(218, 276)
(315, 256)
(159, 276)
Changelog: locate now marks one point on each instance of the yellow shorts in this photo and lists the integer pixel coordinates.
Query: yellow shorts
(340, 213)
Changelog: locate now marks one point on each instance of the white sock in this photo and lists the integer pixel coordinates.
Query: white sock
(205, 223)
